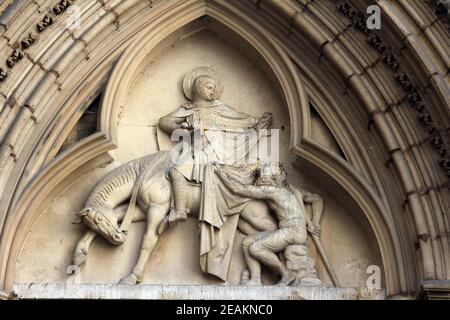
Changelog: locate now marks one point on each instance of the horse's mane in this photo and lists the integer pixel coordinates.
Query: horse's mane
(123, 175)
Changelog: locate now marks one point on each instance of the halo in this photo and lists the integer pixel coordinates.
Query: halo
(190, 77)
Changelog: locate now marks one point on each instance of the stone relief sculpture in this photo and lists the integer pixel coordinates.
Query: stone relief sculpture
(211, 181)
(144, 181)
(287, 203)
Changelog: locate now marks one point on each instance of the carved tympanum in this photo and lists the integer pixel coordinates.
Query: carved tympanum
(236, 195)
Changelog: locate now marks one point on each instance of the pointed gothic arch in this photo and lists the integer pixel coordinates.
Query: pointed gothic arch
(54, 98)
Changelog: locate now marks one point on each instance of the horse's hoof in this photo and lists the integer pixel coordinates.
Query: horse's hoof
(74, 273)
(73, 269)
(129, 280)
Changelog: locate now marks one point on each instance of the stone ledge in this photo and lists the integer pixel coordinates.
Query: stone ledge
(194, 292)
(435, 290)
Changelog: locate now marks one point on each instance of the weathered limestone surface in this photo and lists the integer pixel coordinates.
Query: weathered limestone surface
(60, 291)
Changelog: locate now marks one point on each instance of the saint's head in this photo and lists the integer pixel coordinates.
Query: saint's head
(205, 89)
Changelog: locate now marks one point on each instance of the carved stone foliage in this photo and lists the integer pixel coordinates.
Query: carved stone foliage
(18, 53)
(442, 11)
(414, 97)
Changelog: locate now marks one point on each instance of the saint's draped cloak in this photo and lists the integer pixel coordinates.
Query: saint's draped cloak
(220, 133)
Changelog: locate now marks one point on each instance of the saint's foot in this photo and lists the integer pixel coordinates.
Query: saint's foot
(177, 215)
(172, 219)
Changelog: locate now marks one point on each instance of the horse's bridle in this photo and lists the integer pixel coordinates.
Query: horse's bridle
(126, 222)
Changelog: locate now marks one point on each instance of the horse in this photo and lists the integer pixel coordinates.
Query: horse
(146, 178)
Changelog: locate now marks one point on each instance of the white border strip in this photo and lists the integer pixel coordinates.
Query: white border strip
(185, 292)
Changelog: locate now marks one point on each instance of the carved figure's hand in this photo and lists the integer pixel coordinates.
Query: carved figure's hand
(189, 125)
(188, 105)
(265, 121)
(223, 174)
(218, 169)
(185, 125)
(215, 165)
(314, 229)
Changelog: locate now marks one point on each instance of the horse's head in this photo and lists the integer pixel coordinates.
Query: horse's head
(104, 221)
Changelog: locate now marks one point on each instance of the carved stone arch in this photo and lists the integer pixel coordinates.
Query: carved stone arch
(360, 168)
(308, 23)
(286, 73)
(99, 143)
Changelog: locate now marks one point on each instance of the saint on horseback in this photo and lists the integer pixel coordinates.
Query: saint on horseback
(168, 186)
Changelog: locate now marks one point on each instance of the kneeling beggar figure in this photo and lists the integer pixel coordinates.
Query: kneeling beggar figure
(223, 195)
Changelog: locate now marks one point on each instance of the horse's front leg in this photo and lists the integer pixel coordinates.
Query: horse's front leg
(81, 250)
(154, 217)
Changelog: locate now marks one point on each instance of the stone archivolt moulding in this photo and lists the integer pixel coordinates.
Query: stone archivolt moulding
(414, 97)
(53, 103)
